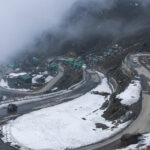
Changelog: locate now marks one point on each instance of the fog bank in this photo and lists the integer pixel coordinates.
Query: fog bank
(62, 25)
(22, 21)
(93, 24)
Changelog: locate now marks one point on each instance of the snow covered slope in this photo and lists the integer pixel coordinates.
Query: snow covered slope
(131, 94)
(68, 125)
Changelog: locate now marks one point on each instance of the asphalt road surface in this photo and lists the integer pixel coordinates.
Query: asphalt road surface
(142, 123)
(47, 87)
(92, 80)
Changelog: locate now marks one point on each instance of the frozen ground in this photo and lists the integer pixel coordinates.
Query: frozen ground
(68, 125)
(4, 84)
(142, 145)
(131, 94)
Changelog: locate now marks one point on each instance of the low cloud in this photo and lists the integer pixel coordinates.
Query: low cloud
(63, 25)
(22, 21)
(93, 24)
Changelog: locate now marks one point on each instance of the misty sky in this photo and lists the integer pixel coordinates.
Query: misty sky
(21, 21)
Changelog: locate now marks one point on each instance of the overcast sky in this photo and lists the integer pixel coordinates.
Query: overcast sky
(21, 21)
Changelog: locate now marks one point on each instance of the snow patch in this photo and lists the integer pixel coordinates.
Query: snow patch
(14, 75)
(143, 144)
(62, 126)
(131, 94)
(4, 84)
(36, 77)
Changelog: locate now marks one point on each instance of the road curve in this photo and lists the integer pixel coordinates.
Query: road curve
(92, 80)
(141, 124)
(47, 87)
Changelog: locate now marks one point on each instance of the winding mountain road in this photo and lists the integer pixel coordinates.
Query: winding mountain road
(45, 88)
(142, 123)
(92, 79)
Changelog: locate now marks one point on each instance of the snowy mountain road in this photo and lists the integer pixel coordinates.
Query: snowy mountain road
(47, 87)
(141, 124)
(92, 80)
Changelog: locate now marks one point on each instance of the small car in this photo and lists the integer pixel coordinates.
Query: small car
(12, 108)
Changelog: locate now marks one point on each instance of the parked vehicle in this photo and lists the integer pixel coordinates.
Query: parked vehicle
(12, 108)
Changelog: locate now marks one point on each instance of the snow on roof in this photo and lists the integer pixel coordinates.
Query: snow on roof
(13, 75)
(36, 77)
(49, 78)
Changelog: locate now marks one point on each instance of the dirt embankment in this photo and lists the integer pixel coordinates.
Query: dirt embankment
(115, 110)
(71, 77)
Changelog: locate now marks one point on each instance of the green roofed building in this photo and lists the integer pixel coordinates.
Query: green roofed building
(35, 59)
(70, 60)
(25, 78)
(53, 67)
(78, 64)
